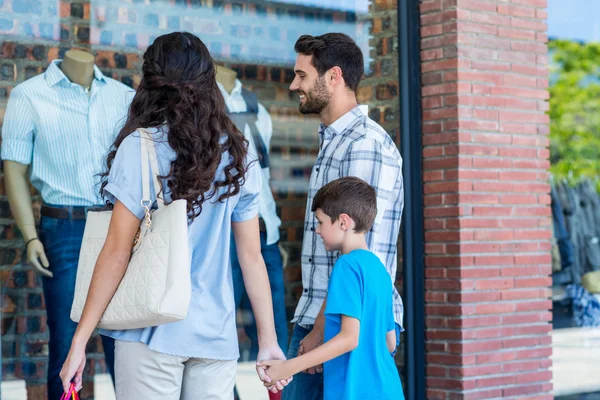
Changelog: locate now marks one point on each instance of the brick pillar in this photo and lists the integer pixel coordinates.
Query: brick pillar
(484, 75)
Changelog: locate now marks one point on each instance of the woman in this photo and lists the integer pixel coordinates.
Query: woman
(203, 159)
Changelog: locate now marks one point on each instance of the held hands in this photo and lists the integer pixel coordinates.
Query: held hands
(277, 371)
(36, 256)
(271, 353)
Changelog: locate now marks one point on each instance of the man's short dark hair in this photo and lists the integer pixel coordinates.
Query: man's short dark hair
(351, 196)
(331, 50)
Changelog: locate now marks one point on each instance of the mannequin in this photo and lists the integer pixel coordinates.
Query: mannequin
(78, 66)
(253, 120)
(226, 77)
(60, 152)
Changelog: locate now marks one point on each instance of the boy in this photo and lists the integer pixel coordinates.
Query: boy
(359, 321)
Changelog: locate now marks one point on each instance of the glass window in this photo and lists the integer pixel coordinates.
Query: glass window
(253, 38)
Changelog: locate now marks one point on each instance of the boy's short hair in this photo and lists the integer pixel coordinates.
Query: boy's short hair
(349, 195)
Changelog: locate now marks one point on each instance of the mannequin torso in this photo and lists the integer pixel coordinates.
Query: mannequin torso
(226, 77)
(78, 66)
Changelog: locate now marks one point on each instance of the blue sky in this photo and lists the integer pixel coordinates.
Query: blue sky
(574, 19)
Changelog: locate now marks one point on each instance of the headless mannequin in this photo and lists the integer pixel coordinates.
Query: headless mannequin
(226, 77)
(78, 66)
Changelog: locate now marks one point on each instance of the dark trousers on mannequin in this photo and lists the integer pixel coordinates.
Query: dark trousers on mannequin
(62, 241)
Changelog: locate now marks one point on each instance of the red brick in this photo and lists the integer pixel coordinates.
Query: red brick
(494, 235)
(516, 11)
(520, 295)
(520, 34)
(519, 199)
(472, 273)
(497, 308)
(490, 211)
(517, 152)
(518, 128)
(438, 65)
(530, 47)
(526, 318)
(533, 282)
(521, 366)
(521, 390)
(433, 54)
(427, 6)
(535, 306)
(438, 17)
(486, 114)
(472, 27)
(479, 125)
(493, 163)
(533, 330)
(499, 381)
(535, 25)
(490, 18)
(476, 370)
(495, 357)
(534, 377)
(493, 284)
(529, 342)
(431, 30)
(474, 297)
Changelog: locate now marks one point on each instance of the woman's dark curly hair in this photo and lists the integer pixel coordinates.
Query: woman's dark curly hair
(178, 89)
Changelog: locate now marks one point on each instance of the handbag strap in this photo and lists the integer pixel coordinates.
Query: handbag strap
(148, 153)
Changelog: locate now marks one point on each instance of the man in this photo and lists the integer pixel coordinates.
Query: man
(328, 71)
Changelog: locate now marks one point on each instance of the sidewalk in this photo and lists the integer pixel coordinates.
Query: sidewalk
(576, 360)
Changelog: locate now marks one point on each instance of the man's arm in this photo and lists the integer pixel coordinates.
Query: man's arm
(390, 340)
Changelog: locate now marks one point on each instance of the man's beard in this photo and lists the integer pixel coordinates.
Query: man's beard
(316, 99)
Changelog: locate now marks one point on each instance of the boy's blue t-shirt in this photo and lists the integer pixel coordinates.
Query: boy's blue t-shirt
(360, 287)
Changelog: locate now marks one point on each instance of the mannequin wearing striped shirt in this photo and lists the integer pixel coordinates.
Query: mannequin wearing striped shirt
(57, 128)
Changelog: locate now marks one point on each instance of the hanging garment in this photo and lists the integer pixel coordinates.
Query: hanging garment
(586, 306)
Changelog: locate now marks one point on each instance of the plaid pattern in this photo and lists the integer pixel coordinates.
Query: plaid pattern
(354, 145)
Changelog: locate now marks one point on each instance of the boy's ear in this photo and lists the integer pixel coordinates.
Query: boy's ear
(345, 221)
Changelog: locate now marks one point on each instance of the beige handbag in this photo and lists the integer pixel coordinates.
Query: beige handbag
(156, 287)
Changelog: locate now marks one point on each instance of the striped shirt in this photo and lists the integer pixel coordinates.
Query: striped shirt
(64, 133)
(354, 145)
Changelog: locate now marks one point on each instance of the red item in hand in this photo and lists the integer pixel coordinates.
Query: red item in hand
(71, 394)
(274, 396)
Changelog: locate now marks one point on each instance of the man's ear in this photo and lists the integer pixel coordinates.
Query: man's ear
(335, 76)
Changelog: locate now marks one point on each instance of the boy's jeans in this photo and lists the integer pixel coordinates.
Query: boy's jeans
(62, 241)
(306, 386)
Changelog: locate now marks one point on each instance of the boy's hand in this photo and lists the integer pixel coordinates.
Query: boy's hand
(277, 370)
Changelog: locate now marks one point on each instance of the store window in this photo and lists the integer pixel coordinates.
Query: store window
(255, 39)
(574, 51)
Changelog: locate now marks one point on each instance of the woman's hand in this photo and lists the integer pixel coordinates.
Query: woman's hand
(72, 369)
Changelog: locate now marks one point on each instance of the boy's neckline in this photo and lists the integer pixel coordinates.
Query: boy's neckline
(357, 249)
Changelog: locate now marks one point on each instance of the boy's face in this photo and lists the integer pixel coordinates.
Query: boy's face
(331, 232)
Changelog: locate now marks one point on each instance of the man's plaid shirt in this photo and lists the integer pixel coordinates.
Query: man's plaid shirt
(354, 145)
